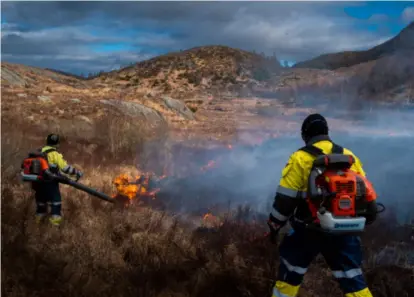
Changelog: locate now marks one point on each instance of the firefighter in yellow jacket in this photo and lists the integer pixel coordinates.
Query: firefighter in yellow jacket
(299, 247)
(49, 192)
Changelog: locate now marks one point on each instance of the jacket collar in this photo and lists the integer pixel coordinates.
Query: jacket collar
(318, 138)
(47, 147)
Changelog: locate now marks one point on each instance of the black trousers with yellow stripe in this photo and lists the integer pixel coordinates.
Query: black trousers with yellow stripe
(342, 253)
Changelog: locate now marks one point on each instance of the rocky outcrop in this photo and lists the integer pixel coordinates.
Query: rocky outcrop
(179, 107)
(134, 109)
(12, 77)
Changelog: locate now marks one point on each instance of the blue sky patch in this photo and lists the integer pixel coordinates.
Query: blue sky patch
(111, 47)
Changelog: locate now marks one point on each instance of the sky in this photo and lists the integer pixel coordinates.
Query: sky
(87, 37)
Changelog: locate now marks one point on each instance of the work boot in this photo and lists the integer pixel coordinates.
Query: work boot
(40, 217)
(55, 220)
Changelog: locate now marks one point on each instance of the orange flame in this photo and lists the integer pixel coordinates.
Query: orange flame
(124, 187)
(207, 216)
(134, 189)
(210, 220)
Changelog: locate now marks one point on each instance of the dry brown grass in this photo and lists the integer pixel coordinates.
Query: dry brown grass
(110, 252)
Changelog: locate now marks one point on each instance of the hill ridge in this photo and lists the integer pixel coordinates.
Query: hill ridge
(400, 42)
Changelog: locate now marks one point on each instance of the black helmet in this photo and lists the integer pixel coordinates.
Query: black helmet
(314, 125)
(52, 139)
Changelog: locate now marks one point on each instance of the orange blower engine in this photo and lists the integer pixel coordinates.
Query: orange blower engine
(337, 196)
(35, 168)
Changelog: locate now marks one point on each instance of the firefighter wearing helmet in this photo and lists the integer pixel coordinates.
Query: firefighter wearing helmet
(48, 193)
(322, 222)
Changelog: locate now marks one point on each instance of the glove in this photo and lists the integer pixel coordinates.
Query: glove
(79, 174)
(274, 230)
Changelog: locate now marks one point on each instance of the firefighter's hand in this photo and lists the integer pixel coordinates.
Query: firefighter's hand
(273, 231)
(79, 174)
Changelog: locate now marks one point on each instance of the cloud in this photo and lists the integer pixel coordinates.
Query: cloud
(294, 31)
(299, 37)
(46, 41)
(408, 15)
(67, 48)
(378, 18)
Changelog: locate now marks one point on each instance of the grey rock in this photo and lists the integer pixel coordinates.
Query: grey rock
(12, 77)
(44, 98)
(84, 119)
(179, 107)
(135, 110)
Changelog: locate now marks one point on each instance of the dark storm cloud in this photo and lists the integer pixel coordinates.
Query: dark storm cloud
(48, 42)
(47, 14)
(63, 13)
(294, 31)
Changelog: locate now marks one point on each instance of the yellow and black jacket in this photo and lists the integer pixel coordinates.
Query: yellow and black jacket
(56, 158)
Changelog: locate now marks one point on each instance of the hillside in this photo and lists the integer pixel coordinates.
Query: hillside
(392, 76)
(402, 42)
(221, 71)
(387, 79)
(67, 74)
(208, 68)
(383, 73)
(18, 75)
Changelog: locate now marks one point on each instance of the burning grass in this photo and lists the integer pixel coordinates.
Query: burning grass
(106, 251)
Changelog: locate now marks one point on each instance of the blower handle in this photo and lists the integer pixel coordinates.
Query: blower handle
(382, 208)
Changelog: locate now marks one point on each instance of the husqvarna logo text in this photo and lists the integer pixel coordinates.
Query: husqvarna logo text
(337, 225)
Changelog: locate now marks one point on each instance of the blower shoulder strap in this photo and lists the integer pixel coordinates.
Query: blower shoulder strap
(337, 149)
(38, 152)
(46, 152)
(49, 150)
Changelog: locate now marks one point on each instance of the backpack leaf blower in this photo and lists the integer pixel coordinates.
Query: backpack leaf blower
(36, 169)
